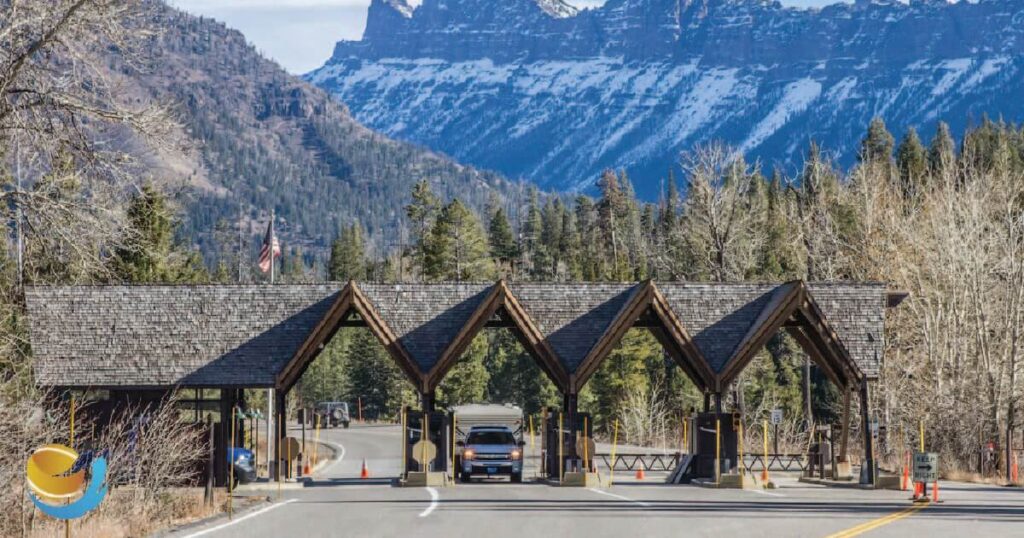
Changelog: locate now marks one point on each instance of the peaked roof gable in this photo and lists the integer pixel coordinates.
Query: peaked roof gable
(717, 316)
(572, 316)
(425, 317)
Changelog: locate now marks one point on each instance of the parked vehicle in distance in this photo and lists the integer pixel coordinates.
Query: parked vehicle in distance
(244, 467)
(332, 414)
(491, 451)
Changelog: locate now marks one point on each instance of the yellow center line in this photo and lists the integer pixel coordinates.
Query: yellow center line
(875, 523)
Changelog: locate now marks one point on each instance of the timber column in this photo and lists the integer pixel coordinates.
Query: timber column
(281, 415)
(570, 407)
(427, 400)
(867, 471)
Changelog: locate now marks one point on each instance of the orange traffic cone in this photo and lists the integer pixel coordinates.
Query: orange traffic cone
(365, 472)
(306, 469)
(764, 475)
(935, 492)
(640, 473)
(905, 479)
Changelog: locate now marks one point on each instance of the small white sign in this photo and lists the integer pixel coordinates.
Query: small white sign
(776, 416)
(926, 466)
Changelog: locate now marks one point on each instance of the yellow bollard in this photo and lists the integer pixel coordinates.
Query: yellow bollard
(739, 452)
(718, 451)
(423, 437)
(277, 454)
(586, 442)
(921, 427)
(561, 441)
(231, 464)
(764, 427)
(531, 434)
(405, 443)
(615, 442)
(455, 435)
(686, 434)
(316, 444)
(71, 443)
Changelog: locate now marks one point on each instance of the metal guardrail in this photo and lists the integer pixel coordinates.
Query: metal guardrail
(776, 462)
(630, 461)
(649, 462)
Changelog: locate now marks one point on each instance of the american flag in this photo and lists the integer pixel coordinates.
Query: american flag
(269, 244)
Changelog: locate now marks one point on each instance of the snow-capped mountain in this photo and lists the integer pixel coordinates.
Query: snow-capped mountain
(538, 89)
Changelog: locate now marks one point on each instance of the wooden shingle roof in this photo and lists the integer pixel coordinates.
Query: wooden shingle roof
(235, 336)
(718, 316)
(856, 312)
(148, 336)
(425, 317)
(572, 316)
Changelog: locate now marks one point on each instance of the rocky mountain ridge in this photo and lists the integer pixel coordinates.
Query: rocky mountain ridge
(539, 90)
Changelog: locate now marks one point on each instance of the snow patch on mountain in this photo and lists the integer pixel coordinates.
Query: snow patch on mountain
(796, 97)
(539, 90)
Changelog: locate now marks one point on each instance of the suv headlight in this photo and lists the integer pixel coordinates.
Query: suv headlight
(516, 454)
(468, 454)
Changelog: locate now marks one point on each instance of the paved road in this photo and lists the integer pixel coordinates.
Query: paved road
(339, 504)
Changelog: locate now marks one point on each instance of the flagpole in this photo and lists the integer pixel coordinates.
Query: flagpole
(270, 391)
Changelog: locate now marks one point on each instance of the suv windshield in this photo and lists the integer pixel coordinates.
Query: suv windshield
(490, 438)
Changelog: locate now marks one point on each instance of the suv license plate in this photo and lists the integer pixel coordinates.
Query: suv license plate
(492, 470)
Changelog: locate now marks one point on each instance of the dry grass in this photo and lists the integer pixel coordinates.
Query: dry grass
(969, 476)
(121, 517)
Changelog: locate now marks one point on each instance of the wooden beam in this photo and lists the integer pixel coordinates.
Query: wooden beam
(812, 350)
(689, 355)
(637, 303)
(669, 344)
(534, 340)
(350, 300)
(784, 301)
(483, 313)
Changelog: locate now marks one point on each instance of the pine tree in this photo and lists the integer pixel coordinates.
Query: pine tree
(149, 253)
(548, 255)
(467, 381)
(531, 235)
(421, 212)
(502, 242)
(348, 259)
(373, 376)
(669, 212)
(457, 248)
(912, 162)
(777, 259)
(941, 150)
(877, 145)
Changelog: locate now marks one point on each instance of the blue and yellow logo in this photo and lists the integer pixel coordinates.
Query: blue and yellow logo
(56, 474)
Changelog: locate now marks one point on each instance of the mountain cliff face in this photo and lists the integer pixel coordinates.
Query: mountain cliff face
(537, 89)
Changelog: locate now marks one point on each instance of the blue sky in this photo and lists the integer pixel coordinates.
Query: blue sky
(300, 34)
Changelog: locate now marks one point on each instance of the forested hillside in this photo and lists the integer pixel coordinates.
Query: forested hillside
(262, 139)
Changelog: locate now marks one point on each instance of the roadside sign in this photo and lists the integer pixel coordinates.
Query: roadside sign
(290, 447)
(424, 452)
(776, 416)
(926, 466)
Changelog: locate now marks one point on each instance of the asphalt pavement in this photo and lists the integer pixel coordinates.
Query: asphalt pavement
(338, 503)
